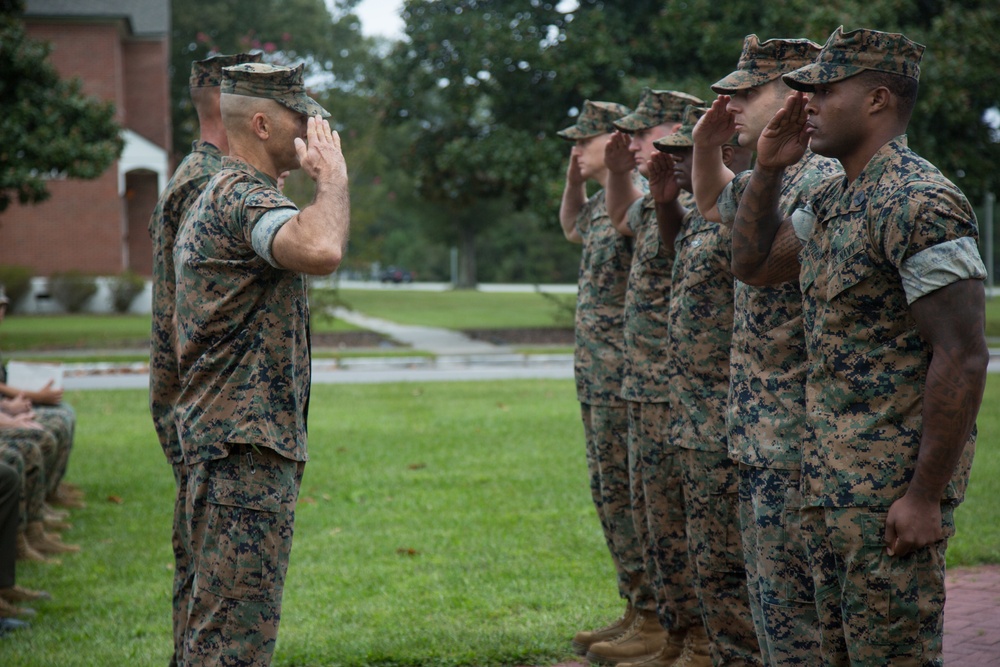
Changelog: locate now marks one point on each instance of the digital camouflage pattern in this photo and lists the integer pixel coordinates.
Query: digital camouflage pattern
(183, 189)
(761, 62)
(207, 73)
(767, 425)
(242, 510)
(868, 361)
(656, 107)
(700, 323)
(847, 54)
(647, 302)
(243, 325)
(779, 581)
(605, 429)
(599, 353)
(658, 515)
(684, 136)
(23, 448)
(875, 609)
(60, 422)
(596, 118)
(274, 82)
(185, 186)
(599, 358)
(701, 316)
(767, 412)
(710, 491)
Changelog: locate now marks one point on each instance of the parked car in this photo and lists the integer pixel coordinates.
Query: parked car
(395, 274)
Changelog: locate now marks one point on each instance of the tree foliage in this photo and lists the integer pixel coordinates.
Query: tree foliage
(450, 136)
(286, 32)
(50, 129)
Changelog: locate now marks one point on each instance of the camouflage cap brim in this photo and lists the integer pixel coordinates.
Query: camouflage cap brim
(846, 54)
(743, 80)
(636, 121)
(303, 104)
(595, 119)
(679, 139)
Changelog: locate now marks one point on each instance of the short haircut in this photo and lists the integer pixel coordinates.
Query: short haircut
(903, 88)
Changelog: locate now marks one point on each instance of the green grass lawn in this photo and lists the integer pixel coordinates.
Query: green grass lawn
(464, 309)
(20, 333)
(439, 525)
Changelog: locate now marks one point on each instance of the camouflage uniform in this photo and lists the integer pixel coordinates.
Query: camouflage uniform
(900, 231)
(700, 332)
(10, 492)
(243, 332)
(23, 448)
(701, 315)
(767, 414)
(598, 362)
(186, 184)
(657, 508)
(60, 423)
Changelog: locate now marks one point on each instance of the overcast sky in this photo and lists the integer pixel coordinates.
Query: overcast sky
(380, 17)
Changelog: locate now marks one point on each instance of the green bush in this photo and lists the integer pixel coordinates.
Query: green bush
(124, 288)
(16, 281)
(72, 289)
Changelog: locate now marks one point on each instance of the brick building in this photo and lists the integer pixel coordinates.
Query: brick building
(120, 50)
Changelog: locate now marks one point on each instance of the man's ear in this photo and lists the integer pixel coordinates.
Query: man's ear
(261, 125)
(881, 99)
(727, 154)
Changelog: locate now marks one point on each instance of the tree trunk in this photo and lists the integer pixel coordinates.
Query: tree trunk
(467, 259)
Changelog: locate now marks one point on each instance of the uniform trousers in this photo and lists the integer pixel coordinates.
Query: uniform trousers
(241, 512)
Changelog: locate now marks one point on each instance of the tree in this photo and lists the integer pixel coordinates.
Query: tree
(49, 127)
(286, 32)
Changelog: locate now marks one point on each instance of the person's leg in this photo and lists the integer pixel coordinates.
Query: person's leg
(646, 635)
(242, 513)
(893, 606)
(778, 577)
(60, 420)
(10, 496)
(606, 431)
(183, 574)
(714, 545)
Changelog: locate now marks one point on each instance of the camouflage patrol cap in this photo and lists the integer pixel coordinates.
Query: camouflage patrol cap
(596, 118)
(274, 82)
(655, 108)
(207, 73)
(682, 138)
(762, 62)
(847, 54)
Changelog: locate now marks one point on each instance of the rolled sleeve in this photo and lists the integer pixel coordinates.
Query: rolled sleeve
(941, 265)
(267, 228)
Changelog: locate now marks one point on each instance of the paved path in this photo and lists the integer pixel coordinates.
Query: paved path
(428, 339)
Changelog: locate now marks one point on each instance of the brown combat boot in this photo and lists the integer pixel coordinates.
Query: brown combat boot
(583, 640)
(28, 553)
(643, 639)
(667, 655)
(697, 649)
(45, 543)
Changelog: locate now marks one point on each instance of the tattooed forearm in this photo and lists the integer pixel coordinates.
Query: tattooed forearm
(757, 259)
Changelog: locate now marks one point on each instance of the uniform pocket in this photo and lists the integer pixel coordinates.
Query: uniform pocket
(241, 547)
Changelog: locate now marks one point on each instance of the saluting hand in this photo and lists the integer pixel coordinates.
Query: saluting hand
(784, 141)
(663, 185)
(717, 126)
(617, 157)
(320, 155)
(574, 176)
